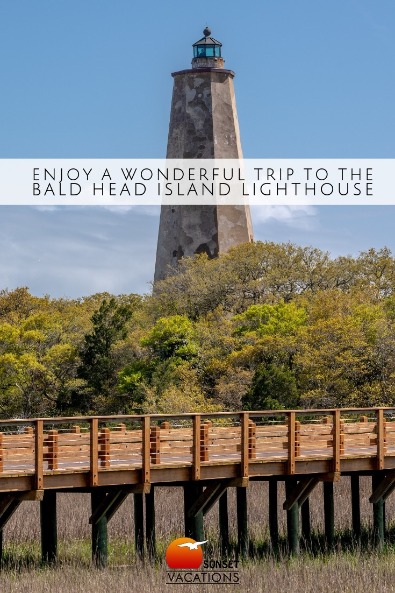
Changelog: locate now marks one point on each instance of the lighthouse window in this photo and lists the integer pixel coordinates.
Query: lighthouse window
(207, 51)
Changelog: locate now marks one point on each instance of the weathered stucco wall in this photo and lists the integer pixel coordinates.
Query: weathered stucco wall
(203, 124)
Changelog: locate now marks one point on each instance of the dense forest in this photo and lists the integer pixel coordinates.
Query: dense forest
(265, 326)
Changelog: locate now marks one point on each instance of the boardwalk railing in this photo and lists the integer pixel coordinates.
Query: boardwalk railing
(247, 441)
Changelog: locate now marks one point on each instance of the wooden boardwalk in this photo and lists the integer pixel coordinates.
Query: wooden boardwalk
(113, 456)
(66, 453)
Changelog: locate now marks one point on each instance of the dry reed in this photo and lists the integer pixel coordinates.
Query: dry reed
(338, 572)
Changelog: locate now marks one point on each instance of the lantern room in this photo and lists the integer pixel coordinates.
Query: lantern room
(207, 52)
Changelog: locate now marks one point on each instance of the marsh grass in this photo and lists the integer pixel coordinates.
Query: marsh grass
(352, 566)
(343, 573)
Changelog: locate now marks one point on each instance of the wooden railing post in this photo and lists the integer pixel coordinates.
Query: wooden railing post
(155, 444)
(297, 438)
(94, 452)
(76, 429)
(244, 420)
(342, 445)
(1, 452)
(104, 447)
(52, 441)
(38, 455)
(121, 427)
(291, 442)
(381, 448)
(204, 441)
(165, 425)
(196, 424)
(336, 435)
(146, 454)
(251, 440)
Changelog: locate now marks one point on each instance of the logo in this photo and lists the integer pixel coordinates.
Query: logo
(186, 563)
(184, 553)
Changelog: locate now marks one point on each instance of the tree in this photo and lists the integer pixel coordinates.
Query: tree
(273, 388)
(377, 270)
(282, 319)
(171, 337)
(99, 363)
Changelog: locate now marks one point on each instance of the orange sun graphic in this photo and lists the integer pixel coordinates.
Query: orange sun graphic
(184, 552)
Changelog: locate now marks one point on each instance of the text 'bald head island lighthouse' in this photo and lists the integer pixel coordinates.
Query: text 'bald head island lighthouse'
(203, 125)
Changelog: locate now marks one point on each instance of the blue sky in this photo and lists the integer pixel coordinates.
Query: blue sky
(92, 79)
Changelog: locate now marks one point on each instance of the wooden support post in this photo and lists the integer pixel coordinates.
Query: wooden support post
(150, 523)
(273, 515)
(121, 428)
(146, 453)
(49, 534)
(355, 506)
(306, 521)
(94, 453)
(251, 440)
(302, 489)
(292, 520)
(337, 444)
(8, 505)
(76, 429)
(242, 522)
(109, 505)
(380, 430)
(291, 442)
(244, 421)
(104, 447)
(52, 441)
(1, 455)
(139, 524)
(209, 497)
(389, 491)
(196, 448)
(99, 532)
(194, 525)
(155, 445)
(165, 425)
(223, 523)
(385, 487)
(378, 513)
(38, 455)
(329, 514)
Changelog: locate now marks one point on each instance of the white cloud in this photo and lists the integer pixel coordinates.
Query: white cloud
(46, 208)
(145, 210)
(298, 217)
(77, 251)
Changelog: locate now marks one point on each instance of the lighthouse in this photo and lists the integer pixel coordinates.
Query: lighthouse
(203, 125)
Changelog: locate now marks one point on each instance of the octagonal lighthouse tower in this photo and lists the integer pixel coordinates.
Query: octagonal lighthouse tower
(203, 125)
